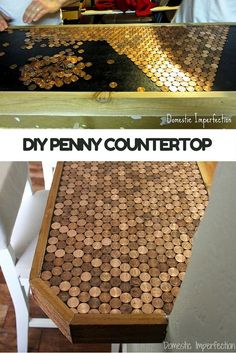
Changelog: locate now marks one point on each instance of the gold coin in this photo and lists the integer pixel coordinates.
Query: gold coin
(110, 61)
(87, 77)
(140, 89)
(113, 84)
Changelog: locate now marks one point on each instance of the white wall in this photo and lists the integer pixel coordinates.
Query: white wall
(205, 310)
(206, 307)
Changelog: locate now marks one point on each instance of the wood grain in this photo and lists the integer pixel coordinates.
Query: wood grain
(63, 104)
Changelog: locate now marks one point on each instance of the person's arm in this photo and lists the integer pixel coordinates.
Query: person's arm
(3, 21)
(39, 8)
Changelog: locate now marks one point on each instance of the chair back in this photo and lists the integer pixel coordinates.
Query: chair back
(13, 178)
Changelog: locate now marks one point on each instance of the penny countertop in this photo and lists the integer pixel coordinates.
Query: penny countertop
(121, 235)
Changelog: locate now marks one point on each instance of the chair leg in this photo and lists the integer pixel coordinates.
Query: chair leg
(22, 327)
(19, 298)
(47, 174)
(115, 348)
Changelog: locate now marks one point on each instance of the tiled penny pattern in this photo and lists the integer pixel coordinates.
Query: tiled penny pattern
(175, 58)
(121, 235)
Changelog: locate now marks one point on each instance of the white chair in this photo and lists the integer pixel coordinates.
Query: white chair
(21, 213)
(48, 171)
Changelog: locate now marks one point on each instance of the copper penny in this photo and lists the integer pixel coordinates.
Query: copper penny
(115, 292)
(95, 291)
(73, 302)
(83, 308)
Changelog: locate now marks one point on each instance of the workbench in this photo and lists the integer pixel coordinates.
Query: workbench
(127, 75)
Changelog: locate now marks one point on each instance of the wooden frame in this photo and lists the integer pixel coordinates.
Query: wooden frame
(69, 105)
(78, 327)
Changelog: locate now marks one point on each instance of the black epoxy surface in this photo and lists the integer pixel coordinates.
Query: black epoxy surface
(124, 72)
(226, 75)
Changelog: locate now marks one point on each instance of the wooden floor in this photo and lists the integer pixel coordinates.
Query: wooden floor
(51, 340)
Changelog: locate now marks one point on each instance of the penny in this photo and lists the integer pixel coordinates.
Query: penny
(60, 253)
(73, 302)
(83, 308)
(140, 89)
(56, 271)
(157, 303)
(84, 297)
(84, 286)
(175, 281)
(46, 275)
(167, 297)
(136, 292)
(181, 275)
(55, 289)
(64, 286)
(135, 281)
(113, 84)
(147, 309)
(94, 303)
(175, 291)
(126, 308)
(145, 277)
(115, 303)
(165, 287)
(173, 271)
(64, 296)
(105, 276)
(136, 303)
(180, 258)
(156, 292)
(115, 263)
(146, 298)
(110, 61)
(164, 276)
(146, 287)
(125, 297)
(96, 262)
(105, 308)
(105, 286)
(86, 276)
(55, 225)
(125, 277)
(51, 248)
(95, 282)
(52, 240)
(74, 291)
(95, 291)
(105, 297)
(115, 292)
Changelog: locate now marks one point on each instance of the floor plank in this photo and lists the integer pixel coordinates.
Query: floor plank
(3, 314)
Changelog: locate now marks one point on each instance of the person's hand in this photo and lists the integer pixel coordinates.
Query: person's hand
(3, 21)
(39, 8)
